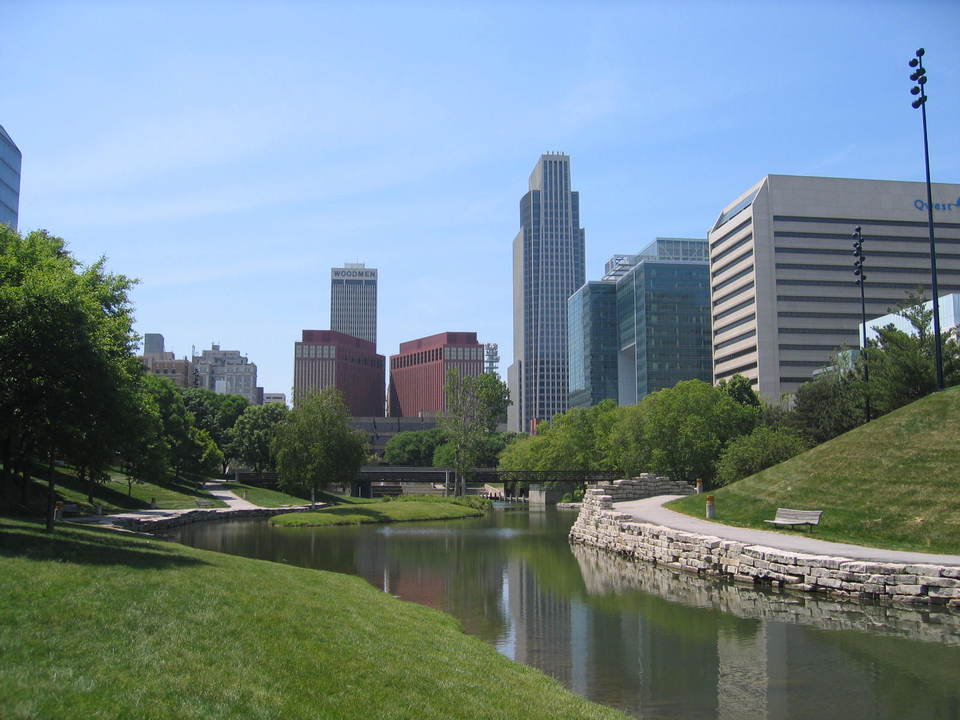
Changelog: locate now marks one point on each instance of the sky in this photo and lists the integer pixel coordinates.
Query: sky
(228, 155)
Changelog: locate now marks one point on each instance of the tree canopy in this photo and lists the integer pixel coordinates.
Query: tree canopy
(315, 446)
(66, 365)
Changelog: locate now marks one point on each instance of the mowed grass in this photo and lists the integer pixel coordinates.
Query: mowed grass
(113, 495)
(379, 512)
(265, 497)
(893, 483)
(95, 624)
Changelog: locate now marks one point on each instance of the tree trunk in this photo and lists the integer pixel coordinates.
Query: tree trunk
(51, 495)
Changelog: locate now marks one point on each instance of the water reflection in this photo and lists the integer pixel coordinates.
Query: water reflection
(640, 638)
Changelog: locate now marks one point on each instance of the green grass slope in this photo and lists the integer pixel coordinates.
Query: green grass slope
(95, 624)
(378, 512)
(892, 483)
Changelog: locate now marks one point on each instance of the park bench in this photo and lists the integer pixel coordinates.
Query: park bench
(787, 517)
(203, 503)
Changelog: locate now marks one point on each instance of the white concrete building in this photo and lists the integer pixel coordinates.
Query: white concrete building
(949, 317)
(783, 295)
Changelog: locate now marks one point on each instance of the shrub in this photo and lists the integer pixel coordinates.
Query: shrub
(749, 454)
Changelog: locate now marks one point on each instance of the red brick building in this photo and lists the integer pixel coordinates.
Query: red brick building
(419, 371)
(325, 358)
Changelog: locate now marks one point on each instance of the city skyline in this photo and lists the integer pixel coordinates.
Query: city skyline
(229, 160)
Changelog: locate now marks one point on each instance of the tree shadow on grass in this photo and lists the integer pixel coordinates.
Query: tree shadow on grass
(88, 546)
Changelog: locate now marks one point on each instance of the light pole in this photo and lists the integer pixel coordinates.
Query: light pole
(858, 272)
(919, 76)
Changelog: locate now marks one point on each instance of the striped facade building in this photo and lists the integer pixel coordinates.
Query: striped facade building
(783, 297)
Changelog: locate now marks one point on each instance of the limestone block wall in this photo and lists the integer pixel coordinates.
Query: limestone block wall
(600, 525)
(605, 573)
(644, 486)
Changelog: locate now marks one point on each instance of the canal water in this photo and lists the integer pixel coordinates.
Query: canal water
(651, 642)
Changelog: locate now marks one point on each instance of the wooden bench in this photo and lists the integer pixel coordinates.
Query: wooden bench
(788, 517)
(204, 503)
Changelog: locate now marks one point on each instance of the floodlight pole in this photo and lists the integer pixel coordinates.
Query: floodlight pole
(861, 278)
(920, 77)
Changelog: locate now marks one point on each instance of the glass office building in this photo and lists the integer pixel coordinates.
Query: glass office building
(548, 267)
(591, 320)
(10, 159)
(660, 332)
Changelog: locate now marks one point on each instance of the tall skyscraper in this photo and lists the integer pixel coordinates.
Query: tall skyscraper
(10, 159)
(548, 267)
(353, 301)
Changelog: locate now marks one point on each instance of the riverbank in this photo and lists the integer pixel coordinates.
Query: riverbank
(801, 564)
(383, 512)
(104, 624)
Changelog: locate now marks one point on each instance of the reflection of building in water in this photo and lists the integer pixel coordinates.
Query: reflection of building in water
(541, 620)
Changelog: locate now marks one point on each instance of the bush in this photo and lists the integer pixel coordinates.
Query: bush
(749, 454)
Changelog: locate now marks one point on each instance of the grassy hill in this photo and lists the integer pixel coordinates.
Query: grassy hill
(97, 624)
(892, 483)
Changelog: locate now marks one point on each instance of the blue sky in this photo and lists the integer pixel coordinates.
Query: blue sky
(229, 154)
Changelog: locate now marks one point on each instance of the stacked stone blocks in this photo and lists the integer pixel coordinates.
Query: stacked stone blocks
(600, 525)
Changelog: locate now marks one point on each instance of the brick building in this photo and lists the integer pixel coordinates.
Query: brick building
(419, 371)
(326, 358)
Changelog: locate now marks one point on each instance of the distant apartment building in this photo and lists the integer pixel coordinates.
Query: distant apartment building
(548, 267)
(327, 358)
(353, 301)
(227, 372)
(165, 364)
(644, 327)
(783, 297)
(418, 372)
(10, 163)
(279, 398)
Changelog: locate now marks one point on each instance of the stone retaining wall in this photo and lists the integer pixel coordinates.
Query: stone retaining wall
(600, 525)
(643, 486)
(605, 573)
(151, 525)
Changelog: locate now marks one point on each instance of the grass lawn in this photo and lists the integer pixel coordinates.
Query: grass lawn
(177, 493)
(892, 483)
(95, 624)
(265, 497)
(380, 512)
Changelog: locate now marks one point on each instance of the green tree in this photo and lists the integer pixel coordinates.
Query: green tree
(828, 406)
(216, 414)
(903, 365)
(414, 448)
(683, 429)
(739, 388)
(316, 446)
(762, 448)
(66, 357)
(253, 435)
(474, 406)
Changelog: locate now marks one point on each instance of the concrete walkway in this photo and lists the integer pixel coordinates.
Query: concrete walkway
(214, 487)
(651, 510)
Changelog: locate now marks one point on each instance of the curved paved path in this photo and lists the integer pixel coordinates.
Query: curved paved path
(651, 510)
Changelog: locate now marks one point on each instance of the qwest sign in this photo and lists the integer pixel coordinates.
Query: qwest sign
(922, 205)
(372, 274)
